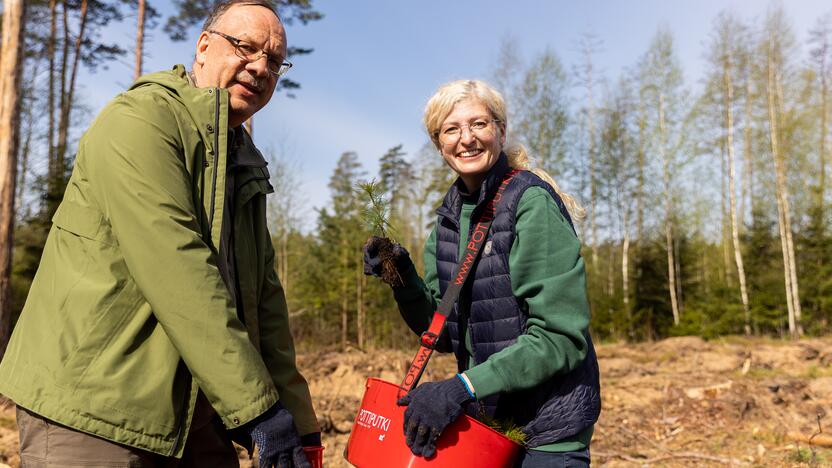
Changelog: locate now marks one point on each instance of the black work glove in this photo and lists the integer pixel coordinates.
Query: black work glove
(277, 440)
(372, 261)
(313, 439)
(431, 407)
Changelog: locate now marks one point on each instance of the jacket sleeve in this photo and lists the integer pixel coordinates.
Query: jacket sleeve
(278, 350)
(136, 167)
(548, 278)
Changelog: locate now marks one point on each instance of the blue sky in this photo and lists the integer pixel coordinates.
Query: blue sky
(377, 62)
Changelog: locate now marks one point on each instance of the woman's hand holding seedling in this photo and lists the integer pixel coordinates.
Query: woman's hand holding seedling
(386, 260)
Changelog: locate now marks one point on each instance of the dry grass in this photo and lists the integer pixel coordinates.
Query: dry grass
(680, 402)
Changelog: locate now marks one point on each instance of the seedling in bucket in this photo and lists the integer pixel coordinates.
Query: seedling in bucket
(507, 428)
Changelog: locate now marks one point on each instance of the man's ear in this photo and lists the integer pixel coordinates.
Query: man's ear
(201, 48)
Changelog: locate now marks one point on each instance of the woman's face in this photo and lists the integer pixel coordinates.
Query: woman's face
(471, 141)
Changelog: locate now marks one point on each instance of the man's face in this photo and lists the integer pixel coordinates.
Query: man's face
(250, 85)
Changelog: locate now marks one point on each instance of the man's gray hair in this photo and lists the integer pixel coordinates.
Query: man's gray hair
(221, 7)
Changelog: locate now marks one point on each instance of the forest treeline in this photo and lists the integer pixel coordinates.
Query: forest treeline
(707, 201)
(707, 206)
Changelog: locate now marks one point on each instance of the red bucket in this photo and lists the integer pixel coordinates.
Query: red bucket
(377, 438)
(315, 454)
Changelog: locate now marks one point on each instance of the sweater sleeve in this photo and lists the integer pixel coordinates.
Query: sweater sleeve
(548, 277)
(418, 298)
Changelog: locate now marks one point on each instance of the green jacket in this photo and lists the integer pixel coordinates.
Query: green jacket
(128, 315)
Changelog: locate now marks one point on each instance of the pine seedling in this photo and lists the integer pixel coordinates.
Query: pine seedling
(507, 428)
(375, 208)
(376, 213)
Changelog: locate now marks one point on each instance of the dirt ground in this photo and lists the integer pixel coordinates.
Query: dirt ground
(677, 402)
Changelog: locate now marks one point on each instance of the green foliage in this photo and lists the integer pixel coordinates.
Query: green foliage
(95, 52)
(505, 427)
(543, 114)
(808, 456)
(30, 236)
(815, 271)
(394, 172)
(765, 286)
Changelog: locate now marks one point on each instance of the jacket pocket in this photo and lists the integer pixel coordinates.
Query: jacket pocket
(79, 220)
(84, 222)
(253, 184)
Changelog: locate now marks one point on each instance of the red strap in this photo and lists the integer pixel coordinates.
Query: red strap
(466, 264)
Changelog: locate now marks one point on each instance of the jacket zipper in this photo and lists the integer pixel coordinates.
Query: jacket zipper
(181, 424)
(216, 153)
(183, 413)
(216, 92)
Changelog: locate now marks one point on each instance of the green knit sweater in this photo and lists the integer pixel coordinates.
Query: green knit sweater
(548, 277)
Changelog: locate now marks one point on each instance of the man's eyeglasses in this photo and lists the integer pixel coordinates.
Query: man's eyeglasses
(277, 65)
(451, 133)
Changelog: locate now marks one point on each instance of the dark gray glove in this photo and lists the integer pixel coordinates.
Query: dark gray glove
(431, 407)
(277, 440)
(372, 260)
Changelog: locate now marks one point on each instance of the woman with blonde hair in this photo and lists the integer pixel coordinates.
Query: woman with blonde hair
(520, 326)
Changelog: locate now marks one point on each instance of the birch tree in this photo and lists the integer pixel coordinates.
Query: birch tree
(284, 206)
(590, 45)
(543, 112)
(725, 62)
(775, 50)
(661, 81)
(508, 72)
(821, 55)
(617, 170)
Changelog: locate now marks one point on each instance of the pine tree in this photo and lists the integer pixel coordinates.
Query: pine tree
(343, 235)
(10, 57)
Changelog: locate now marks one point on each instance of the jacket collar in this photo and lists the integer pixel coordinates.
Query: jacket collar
(208, 109)
(241, 150)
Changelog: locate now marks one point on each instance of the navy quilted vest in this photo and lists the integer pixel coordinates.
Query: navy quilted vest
(553, 410)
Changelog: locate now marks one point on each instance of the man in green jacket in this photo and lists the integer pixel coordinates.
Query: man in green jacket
(156, 330)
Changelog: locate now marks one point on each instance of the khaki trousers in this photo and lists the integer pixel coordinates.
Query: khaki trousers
(46, 444)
